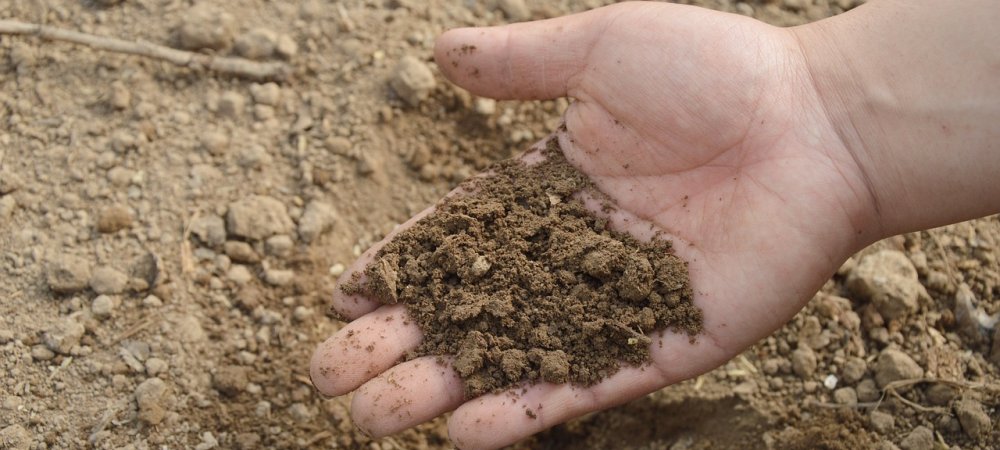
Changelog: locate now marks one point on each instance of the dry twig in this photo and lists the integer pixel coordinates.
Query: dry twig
(239, 67)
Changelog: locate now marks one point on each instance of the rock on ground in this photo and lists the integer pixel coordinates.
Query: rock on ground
(921, 438)
(153, 398)
(107, 280)
(15, 437)
(231, 380)
(894, 365)
(259, 43)
(889, 280)
(114, 218)
(974, 420)
(210, 230)
(804, 362)
(412, 80)
(62, 336)
(258, 217)
(317, 219)
(203, 27)
(68, 274)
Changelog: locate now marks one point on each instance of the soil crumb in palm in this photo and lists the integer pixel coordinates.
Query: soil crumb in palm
(518, 281)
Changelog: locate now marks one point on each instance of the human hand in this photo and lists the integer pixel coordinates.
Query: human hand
(706, 125)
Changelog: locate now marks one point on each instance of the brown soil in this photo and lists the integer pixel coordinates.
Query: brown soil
(519, 281)
(118, 162)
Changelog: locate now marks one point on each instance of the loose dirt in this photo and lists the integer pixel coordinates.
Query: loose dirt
(519, 281)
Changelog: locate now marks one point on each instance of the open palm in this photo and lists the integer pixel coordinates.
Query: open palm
(703, 124)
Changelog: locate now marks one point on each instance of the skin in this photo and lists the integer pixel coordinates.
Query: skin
(767, 155)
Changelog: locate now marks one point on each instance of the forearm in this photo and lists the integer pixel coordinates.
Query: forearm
(913, 88)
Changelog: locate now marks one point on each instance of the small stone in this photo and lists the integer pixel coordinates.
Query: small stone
(239, 274)
(205, 27)
(845, 396)
(300, 412)
(107, 280)
(9, 182)
(258, 43)
(889, 280)
(15, 437)
(280, 245)
(338, 145)
(881, 422)
(188, 329)
(7, 206)
(804, 362)
(301, 313)
(114, 218)
(62, 336)
(68, 274)
(247, 441)
(255, 157)
(120, 97)
(156, 366)
(286, 47)
(515, 10)
(921, 438)
(241, 252)
(830, 382)
(152, 301)
(975, 422)
(215, 142)
(484, 106)
(868, 391)
(940, 394)
(102, 306)
(258, 217)
(277, 277)
(263, 113)
(317, 218)
(337, 269)
(412, 80)
(555, 367)
(853, 370)
(6, 335)
(266, 94)
(894, 365)
(153, 398)
(230, 380)
(42, 353)
(231, 104)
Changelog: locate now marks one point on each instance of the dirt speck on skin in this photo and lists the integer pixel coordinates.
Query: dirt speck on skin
(519, 281)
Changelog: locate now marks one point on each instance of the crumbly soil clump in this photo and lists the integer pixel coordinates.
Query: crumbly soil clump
(519, 281)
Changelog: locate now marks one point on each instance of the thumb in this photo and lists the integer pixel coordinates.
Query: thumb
(525, 61)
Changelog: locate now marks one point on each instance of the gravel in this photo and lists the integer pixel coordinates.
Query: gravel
(889, 280)
(153, 398)
(412, 80)
(894, 365)
(258, 217)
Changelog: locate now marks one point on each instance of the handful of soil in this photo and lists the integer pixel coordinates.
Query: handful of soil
(519, 281)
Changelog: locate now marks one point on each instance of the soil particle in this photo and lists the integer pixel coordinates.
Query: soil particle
(153, 399)
(215, 142)
(520, 287)
(881, 422)
(259, 43)
(68, 274)
(412, 80)
(62, 336)
(230, 104)
(241, 252)
(15, 437)
(258, 217)
(9, 182)
(845, 396)
(230, 380)
(107, 280)
(7, 206)
(515, 10)
(114, 218)
(975, 422)
(317, 218)
(894, 365)
(921, 438)
(102, 306)
(854, 370)
(188, 329)
(804, 362)
(889, 280)
(868, 391)
(203, 27)
(940, 394)
(279, 245)
(266, 94)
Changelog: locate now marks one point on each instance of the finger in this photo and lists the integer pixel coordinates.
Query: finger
(527, 61)
(407, 395)
(363, 349)
(496, 420)
(352, 306)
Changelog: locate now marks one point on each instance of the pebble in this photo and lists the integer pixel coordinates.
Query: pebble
(515, 10)
(853, 370)
(188, 329)
(107, 280)
(239, 274)
(215, 142)
(894, 365)
(975, 422)
(266, 94)
(278, 277)
(258, 217)
(230, 380)
(204, 27)
(63, 335)
(337, 269)
(921, 438)
(241, 252)
(889, 280)
(940, 394)
(317, 218)
(868, 391)
(120, 97)
(114, 218)
(7, 206)
(254, 156)
(803, 362)
(102, 306)
(280, 245)
(9, 182)
(15, 437)
(301, 313)
(156, 366)
(6, 335)
(845, 396)
(484, 106)
(262, 408)
(412, 80)
(258, 43)
(152, 397)
(300, 412)
(338, 145)
(42, 353)
(152, 301)
(68, 274)
(881, 422)
(230, 104)
(286, 47)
